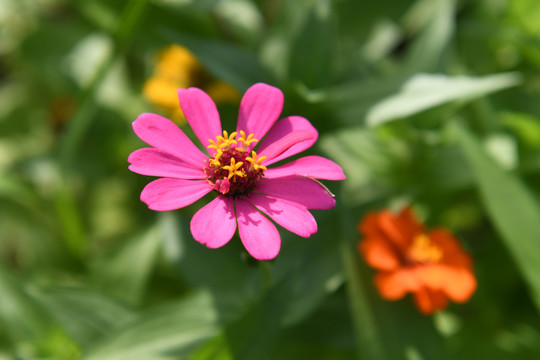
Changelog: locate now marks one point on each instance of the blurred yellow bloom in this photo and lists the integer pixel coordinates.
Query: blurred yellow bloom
(177, 67)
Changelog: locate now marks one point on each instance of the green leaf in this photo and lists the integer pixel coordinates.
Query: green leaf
(310, 62)
(117, 275)
(84, 314)
(512, 208)
(21, 317)
(425, 91)
(172, 329)
(427, 51)
(527, 127)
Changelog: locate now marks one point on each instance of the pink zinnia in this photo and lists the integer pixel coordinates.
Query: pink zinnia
(239, 176)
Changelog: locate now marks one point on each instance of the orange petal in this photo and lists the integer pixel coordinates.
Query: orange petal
(394, 285)
(369, 226)
(395, 230)
(428, 301)
(462, 286)
(378, 253)
(458, 283)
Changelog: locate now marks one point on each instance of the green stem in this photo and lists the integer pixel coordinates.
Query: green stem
(368, 341)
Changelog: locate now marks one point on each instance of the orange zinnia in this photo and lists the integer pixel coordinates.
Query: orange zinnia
(430, 264)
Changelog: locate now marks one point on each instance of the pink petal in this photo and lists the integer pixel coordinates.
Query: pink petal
(285, 143)
(215, 224)
(304, 191)
(290, 215)
(259, 236)
(201, 114)
(163, 134)
(282, 128)
(259, 109)
(155, 162)
(311, 166)
(169, 194)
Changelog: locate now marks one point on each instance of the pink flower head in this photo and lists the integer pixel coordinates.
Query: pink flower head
(232, 169)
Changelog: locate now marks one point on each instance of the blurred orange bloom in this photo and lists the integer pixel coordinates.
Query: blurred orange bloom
(430, 264)
(177, 67)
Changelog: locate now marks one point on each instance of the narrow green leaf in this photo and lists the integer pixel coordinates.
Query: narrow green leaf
(512, 208)
(173, 329)
(85, 315)
(424, 91)
(427, 52)
(21, 318)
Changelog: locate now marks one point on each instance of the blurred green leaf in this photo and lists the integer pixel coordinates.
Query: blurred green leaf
(525, 13)
(119, 276)
(21, 317)
(527, 127)
(310, 62)
(424, 91)
(85, 315)
(427, 51)
(170, 329)
(512, 208)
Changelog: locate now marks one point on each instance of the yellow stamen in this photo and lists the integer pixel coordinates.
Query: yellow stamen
(256, 162)
(423, 250)
(222, 142)
(246, 141)
(215, 161)
(233, 169)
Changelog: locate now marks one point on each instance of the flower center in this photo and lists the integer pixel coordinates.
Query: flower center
(232, 171)
(423, 250)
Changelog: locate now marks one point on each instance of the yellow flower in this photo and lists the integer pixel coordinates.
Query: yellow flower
(177, 67)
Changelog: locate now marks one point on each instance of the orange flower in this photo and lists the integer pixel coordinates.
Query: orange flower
(177, 67)
(430, 264)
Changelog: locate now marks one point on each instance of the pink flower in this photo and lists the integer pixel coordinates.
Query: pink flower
(245, 187)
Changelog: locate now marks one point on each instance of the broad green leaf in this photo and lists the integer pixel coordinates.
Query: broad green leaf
(512, 208)
(228, 62)
(425, 91)
(350, 102)
(118, 276)
(172, 329)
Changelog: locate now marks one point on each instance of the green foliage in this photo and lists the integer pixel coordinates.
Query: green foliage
(429, 103)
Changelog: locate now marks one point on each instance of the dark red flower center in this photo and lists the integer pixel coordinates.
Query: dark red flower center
(232, 170)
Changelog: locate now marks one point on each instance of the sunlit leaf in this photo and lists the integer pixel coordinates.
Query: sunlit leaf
(424, 91)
